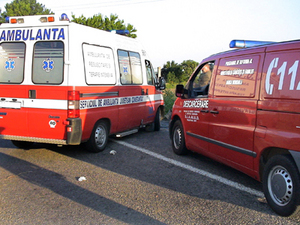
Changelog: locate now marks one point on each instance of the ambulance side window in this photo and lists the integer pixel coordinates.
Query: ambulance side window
(151, 78)
(12, 58)
(48, 62)
(130, 67)
(201, 80)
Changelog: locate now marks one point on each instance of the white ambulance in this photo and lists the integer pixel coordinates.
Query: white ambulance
(65, 83)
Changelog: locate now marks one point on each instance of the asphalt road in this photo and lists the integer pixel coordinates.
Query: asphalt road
(144, 182)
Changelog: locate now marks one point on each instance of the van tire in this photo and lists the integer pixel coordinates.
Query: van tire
(23, 144)
(281, 173)
(99, 137)
(178, 140)
(157, 120)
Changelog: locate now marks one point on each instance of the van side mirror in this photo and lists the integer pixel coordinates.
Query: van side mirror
(179, 92)
(161, 83)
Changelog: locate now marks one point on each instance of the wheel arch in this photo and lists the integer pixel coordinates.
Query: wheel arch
(171, 124)
(271, 152)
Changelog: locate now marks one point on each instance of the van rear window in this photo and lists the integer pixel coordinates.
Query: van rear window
(48, 62)
(237, 76)
(99, 65)
(12, 58)
(130, 67)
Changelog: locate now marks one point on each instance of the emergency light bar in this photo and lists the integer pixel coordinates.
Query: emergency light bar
(41, 18)
(122, 32)
(247, 43)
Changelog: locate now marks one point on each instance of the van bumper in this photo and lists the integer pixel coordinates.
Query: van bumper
(74, 131)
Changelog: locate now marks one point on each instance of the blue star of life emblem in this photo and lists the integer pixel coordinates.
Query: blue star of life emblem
(9, 65)
(48, 65)
(125, 70)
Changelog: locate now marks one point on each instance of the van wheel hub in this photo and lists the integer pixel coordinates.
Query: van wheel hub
(280, 185)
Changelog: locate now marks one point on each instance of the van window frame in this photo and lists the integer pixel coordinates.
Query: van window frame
(113, 64)
(22, 67)
(193, 91)
(62, 66)
(130, 67)
(151, 79)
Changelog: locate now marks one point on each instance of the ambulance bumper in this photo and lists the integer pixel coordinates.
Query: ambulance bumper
(74, 131)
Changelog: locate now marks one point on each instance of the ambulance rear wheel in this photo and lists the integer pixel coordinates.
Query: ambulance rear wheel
(178, 140)
(22, 144)
(99, 137)
(281, 185)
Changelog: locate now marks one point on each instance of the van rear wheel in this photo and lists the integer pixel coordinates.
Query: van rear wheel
(281, 185)
(99, 137)
(23, 144)
(178, 140)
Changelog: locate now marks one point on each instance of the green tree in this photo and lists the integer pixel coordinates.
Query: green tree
(24, 8)
(105, 23)
(172, 68)
(188, 67)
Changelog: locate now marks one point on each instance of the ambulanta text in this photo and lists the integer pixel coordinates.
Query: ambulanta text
(31, 34)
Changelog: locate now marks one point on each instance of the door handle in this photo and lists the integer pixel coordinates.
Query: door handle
(204, 111)
(214, 112)
(32, 94)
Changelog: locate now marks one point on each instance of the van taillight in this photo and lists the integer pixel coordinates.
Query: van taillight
(73, 104)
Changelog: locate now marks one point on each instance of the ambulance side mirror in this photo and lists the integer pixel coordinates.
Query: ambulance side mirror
(179, 92)
(162, 83)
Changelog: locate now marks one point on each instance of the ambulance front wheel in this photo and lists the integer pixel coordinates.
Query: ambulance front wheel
(178, 140)
(157, 120)
(281, 185)
(99, 137)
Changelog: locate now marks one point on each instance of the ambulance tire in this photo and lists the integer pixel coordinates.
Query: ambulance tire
(23, 144)
(178, 140)
(157, 120)
(99, 137)
(281, 185)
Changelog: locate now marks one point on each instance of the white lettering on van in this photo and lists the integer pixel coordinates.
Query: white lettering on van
(237, 72)
(239, 62)
(281, 72)
(195, 104)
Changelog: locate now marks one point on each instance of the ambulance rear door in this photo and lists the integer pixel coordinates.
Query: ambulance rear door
(47, 108)
(12, 92)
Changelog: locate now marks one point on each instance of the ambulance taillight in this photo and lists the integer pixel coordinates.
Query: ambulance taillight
(73, 104)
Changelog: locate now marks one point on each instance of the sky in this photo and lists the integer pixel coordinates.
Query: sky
(178, 30)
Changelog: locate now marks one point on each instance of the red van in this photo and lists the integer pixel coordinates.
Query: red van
(242, 108)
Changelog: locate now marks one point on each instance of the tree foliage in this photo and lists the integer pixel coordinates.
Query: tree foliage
(178, 73)
(105, 23)
(24, 8)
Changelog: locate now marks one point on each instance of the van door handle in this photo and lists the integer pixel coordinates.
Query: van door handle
(214, 112)
(32, 94)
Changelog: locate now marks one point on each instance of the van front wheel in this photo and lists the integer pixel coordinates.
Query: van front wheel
(281, 185)
(178, 140)
(99, 137)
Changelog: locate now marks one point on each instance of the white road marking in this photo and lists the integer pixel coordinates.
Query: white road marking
(195, 170)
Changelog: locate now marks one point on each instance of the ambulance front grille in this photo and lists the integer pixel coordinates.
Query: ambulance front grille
(34, 139)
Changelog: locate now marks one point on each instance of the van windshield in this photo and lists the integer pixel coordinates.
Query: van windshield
(48, 62)
(12, 58)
